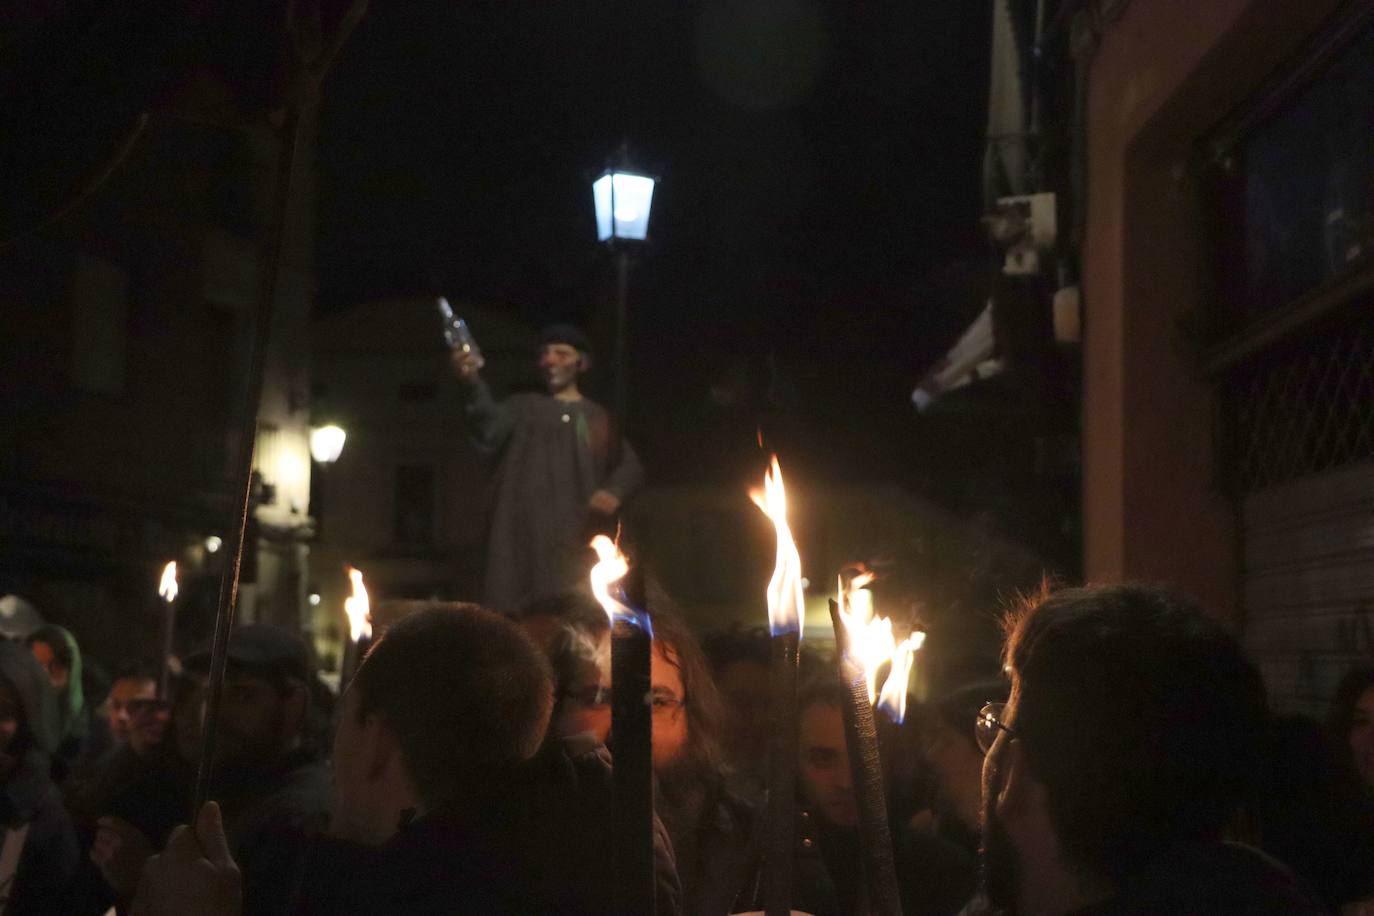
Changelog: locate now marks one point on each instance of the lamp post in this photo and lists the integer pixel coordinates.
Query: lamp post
(326, 445)
(623, 197)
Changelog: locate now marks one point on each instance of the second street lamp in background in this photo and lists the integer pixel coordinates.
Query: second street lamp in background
(623, 197)
(326, 445)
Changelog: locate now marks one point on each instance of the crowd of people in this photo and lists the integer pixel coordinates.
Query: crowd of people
(1126, 761)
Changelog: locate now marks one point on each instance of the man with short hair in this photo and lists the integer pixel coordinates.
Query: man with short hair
(440, 804)
(131, 707)
(269, 781)
(563, 471)
(1127, 745)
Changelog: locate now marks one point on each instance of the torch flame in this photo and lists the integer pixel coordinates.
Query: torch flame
(872, 644)
(167, 588)
(785, 599)
(358, 607)
(610, 568)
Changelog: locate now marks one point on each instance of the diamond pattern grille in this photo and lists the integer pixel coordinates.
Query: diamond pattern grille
(1307, 409)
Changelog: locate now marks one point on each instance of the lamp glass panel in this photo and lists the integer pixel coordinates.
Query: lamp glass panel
(601, 196)
(631, 198)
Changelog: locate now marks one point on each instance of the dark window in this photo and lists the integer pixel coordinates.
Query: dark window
(417, 391)
(414, 504)
(1298, 191)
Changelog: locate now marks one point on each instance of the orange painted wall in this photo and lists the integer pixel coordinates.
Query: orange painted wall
(1166, 71)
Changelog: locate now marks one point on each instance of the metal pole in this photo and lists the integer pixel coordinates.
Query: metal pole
(632, 857)
(262, 329)
(780, 818)
(164, 674)
(622, 355)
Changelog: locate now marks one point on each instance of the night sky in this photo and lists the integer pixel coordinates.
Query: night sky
(813, 233)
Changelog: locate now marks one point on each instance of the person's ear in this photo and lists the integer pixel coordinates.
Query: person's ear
(297, 699)
(380, 748)
(584, 362)
(1017, 788)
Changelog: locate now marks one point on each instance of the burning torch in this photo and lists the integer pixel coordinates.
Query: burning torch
(358, 608)
(167, 588)
(865, 643)
(631, 732)
(785, 602)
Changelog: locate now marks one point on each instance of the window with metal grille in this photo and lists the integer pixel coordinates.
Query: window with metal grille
(1306, 407)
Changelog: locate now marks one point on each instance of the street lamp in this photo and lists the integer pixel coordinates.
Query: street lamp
(623, 200)
(623, 197)
(326, 443)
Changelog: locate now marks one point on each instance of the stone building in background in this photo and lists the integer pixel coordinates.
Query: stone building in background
(125, 357)
(405, 500)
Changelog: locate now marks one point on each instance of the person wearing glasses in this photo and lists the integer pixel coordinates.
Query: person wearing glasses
(577, 642)
(708, 820)
(955, 761)
(1134, 727)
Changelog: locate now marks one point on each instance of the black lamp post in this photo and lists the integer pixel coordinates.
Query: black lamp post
(623, 197)
(326, 444)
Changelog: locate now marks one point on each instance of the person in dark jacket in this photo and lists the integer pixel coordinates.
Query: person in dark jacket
(1130, 740)
(1350, 722)
(57, 651)
(38, 853)
(441, 804)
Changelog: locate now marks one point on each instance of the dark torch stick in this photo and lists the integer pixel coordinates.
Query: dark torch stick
(632, 855)
(257, 360)
(781, 813)
(632, 736)
(866, 771)
(785, 603)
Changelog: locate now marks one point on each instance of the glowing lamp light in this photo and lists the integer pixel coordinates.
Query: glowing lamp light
(785, 597)
(213, 543)
(314, 599)
(623, 200)
(326, 443)
(167, 588)
(873, 645)
(358, 607)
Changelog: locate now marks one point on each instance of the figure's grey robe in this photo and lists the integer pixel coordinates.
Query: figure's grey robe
(553, 456)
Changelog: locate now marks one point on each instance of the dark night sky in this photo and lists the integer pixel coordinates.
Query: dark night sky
(820, 166)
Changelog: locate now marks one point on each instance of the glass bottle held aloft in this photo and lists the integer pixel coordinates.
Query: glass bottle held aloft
(457, 335)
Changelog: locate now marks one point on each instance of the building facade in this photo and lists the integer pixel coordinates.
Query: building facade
(127, 325)
(1228, 404)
